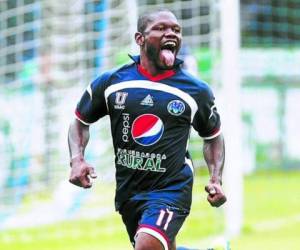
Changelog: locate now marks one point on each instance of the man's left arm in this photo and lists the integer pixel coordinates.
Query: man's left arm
(214, 154)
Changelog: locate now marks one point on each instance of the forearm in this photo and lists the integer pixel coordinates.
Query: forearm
(81, 172)
(214, 155)
(78, 138)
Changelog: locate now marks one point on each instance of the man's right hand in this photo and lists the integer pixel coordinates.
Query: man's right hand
(81, 172)
(216, 196)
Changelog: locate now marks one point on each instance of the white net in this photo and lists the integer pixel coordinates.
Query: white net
(50, 50)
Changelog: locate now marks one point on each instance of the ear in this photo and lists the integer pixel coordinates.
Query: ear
(139, 38)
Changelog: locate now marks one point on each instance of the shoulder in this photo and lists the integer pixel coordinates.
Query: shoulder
(199, 86)
(109, 77)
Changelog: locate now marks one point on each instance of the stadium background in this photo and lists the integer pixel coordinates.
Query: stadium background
(51, 50)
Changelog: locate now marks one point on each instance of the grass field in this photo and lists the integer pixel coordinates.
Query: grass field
(271, 221)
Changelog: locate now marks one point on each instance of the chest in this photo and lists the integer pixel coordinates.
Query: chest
(165, 105)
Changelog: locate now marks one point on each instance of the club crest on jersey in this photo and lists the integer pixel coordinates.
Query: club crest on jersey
(147, 129)
(176, 107)
(120, 100)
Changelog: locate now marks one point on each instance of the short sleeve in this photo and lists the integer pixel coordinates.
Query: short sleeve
(207, 119)
(92, 105)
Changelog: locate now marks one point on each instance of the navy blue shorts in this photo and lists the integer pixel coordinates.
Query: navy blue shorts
(155, 218)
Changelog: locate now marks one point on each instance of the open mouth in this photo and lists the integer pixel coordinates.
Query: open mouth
(167, 53)
(171, 46)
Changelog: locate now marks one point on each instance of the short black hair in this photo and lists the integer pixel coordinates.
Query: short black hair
(148, 17)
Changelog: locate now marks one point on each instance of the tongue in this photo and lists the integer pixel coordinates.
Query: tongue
(167, 57)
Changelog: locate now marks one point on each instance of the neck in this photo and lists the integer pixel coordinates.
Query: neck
(150, 66)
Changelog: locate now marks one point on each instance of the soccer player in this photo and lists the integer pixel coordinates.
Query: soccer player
(152, 104)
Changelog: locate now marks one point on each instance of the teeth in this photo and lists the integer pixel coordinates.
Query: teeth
(173, 44)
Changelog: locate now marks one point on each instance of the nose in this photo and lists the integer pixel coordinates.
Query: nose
(170, 33)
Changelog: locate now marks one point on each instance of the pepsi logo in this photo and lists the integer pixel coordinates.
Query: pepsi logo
(147, 129)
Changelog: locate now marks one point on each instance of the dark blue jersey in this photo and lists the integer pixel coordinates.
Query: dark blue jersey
(151, 118)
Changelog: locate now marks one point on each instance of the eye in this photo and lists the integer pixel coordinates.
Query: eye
(161, 28)
(176, 29)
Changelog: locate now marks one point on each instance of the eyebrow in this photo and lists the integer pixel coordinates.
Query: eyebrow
(164, 23)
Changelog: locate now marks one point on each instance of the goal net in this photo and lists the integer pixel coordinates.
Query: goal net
(51, 50)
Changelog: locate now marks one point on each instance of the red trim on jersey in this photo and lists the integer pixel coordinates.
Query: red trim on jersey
(214, 132)
(79, 116)
(166, 74)
(156, 230)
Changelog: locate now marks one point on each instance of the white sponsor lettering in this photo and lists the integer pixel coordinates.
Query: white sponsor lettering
(126, 127)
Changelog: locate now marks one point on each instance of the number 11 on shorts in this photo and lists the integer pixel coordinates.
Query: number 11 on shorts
(164, 216)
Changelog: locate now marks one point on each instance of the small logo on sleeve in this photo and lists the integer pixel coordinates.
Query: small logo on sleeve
(176, 107)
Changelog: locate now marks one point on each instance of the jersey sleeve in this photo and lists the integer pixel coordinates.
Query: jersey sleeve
(92, 105)
(207, 119)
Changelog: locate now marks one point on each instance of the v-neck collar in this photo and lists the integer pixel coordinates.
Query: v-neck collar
(145, 73)
(158, 77)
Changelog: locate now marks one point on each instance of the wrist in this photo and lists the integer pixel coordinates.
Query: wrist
(76, 158)
(216, 180)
